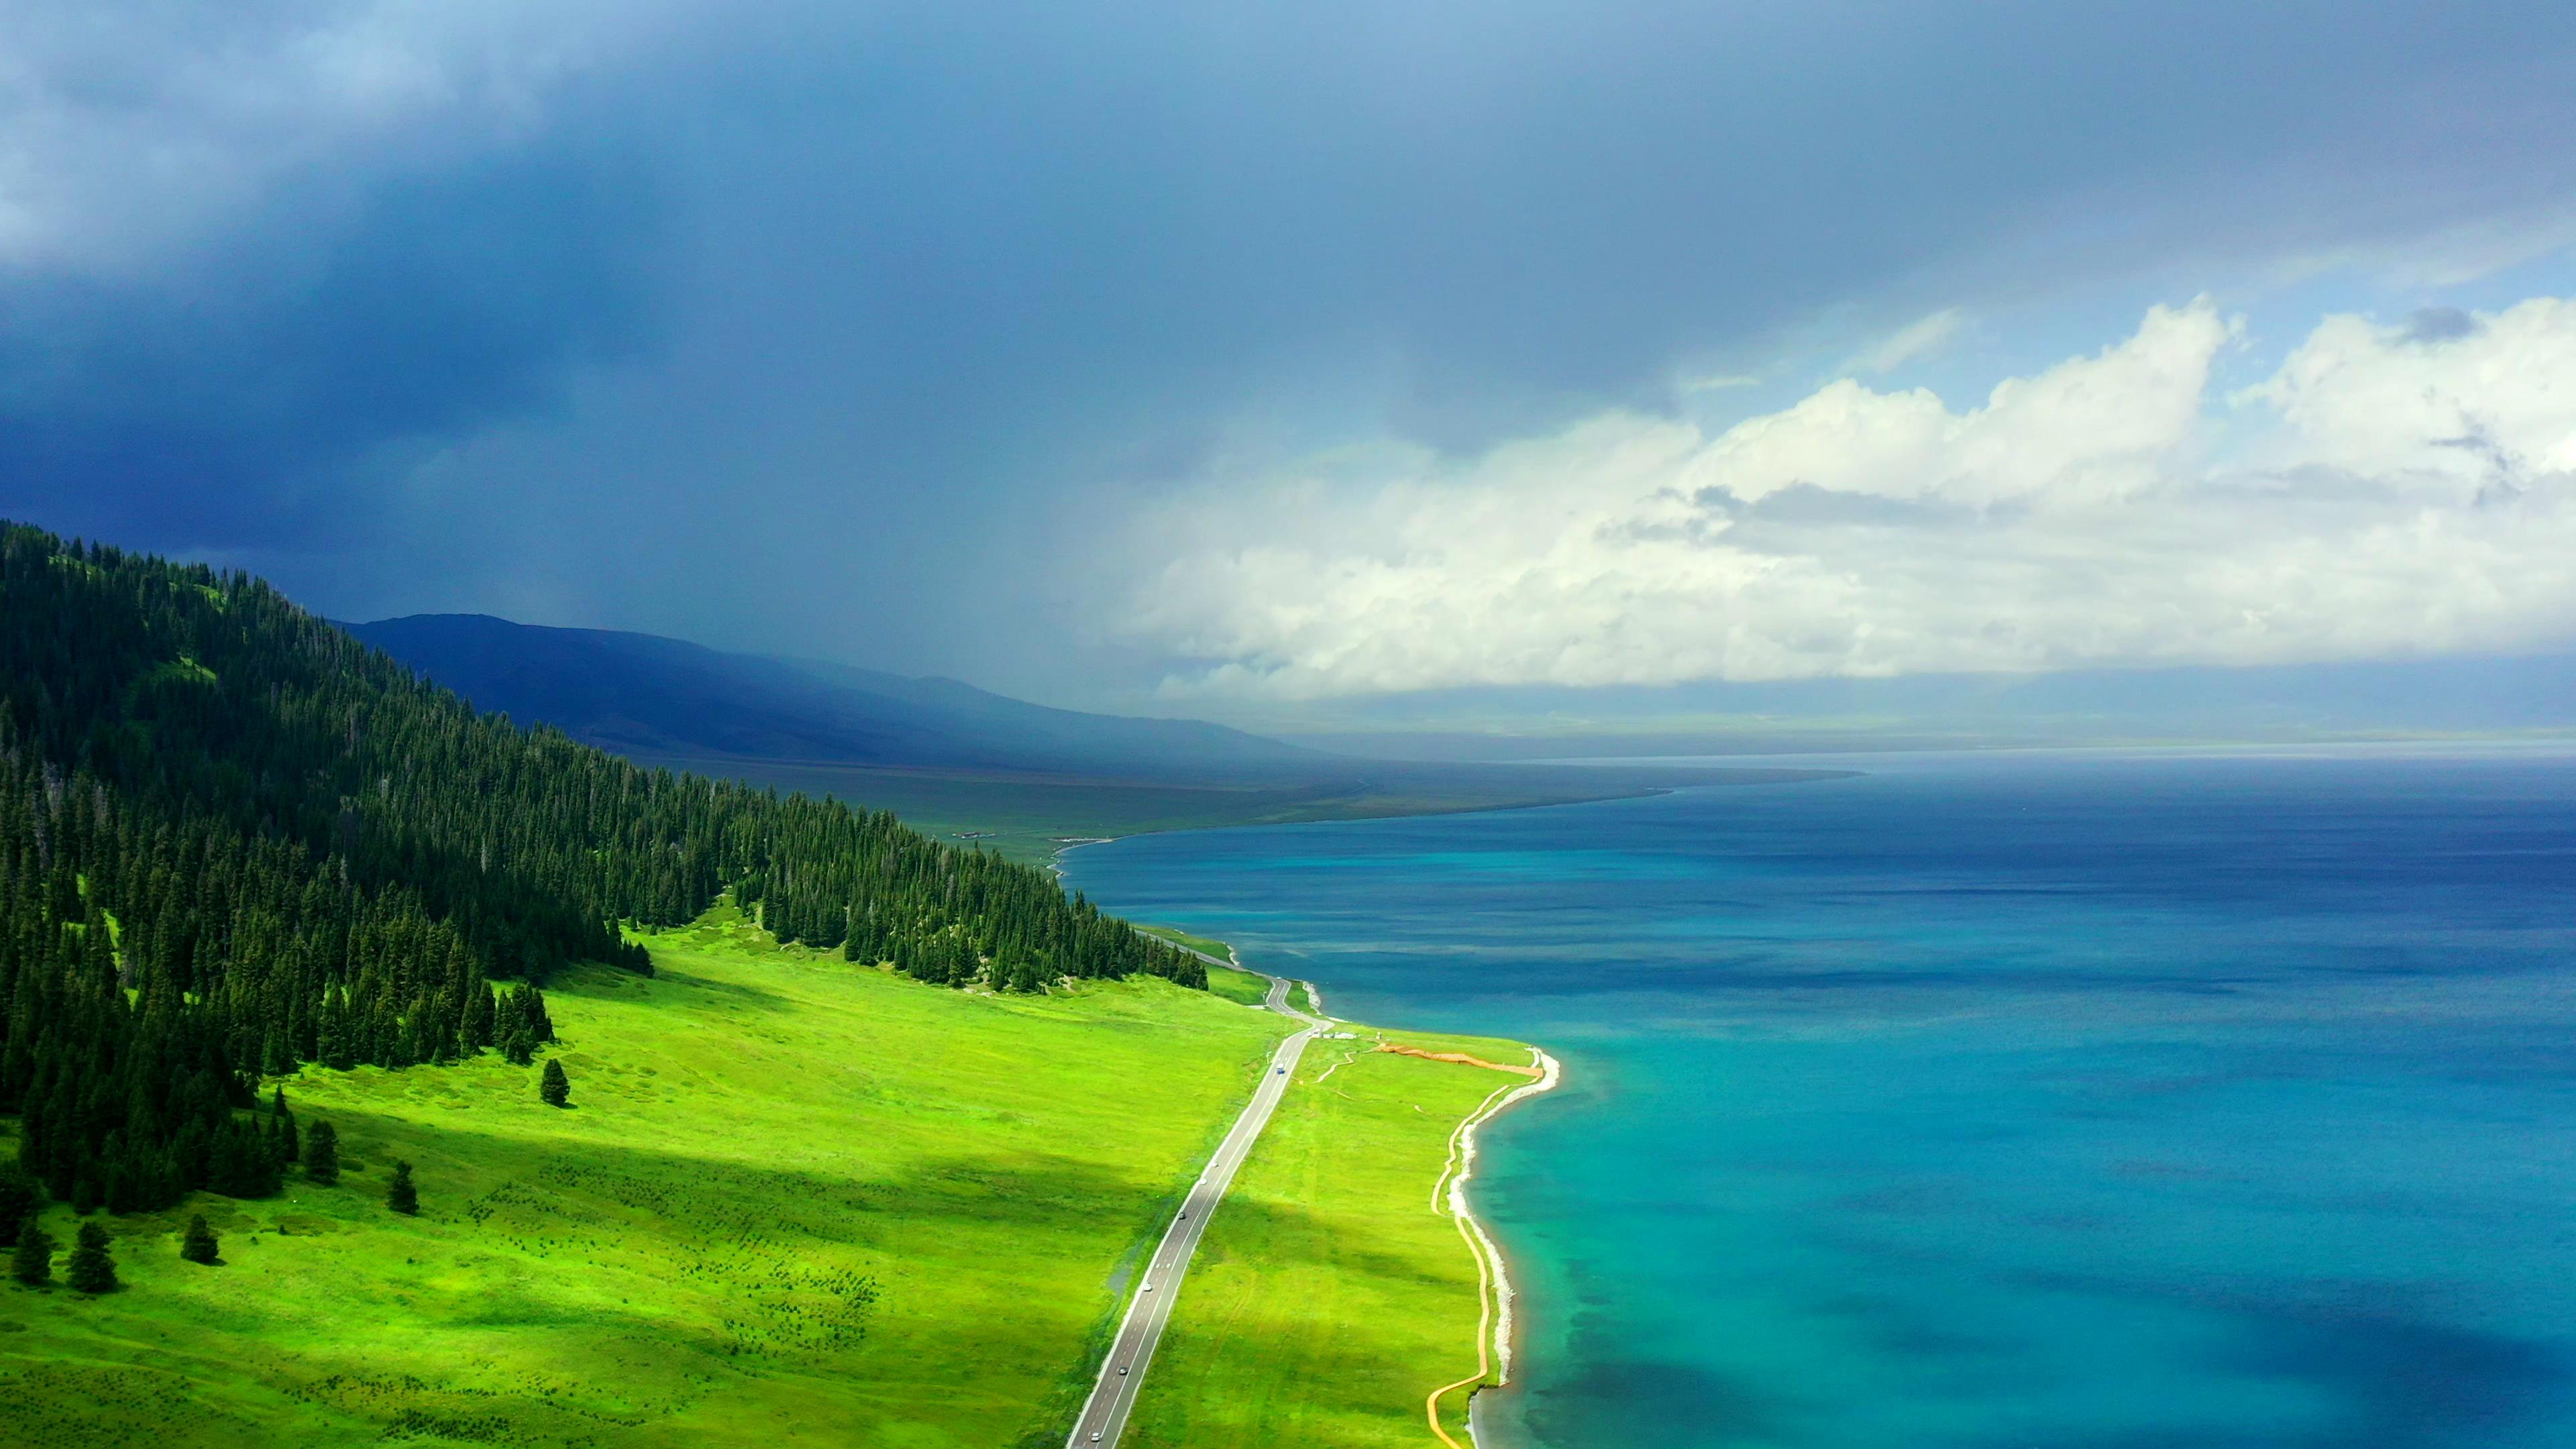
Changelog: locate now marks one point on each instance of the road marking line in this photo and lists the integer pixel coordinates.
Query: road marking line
(1156, 1308)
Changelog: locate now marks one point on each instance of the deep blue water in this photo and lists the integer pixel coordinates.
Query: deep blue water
(1994, 1100)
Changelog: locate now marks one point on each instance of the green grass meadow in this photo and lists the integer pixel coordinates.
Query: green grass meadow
(1328, 1298)
(1248, 987)
(793, 1201)
(1204, 945)
(1251, 988)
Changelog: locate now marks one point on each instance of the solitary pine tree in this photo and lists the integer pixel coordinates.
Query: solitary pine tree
(322, 1154)
(91, 1270)
(554, 1086)
(199, 1245)
(400, 1194)
(33, 1262)
(286, 1143)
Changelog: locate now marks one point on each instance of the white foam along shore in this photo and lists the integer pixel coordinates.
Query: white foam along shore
(1067, 844)
(1490, 1266)
(1492, 1275)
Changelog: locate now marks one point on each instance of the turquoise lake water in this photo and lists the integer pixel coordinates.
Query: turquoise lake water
(2065, 1101)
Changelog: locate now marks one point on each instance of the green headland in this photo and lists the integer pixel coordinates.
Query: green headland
(667, 1110)
(794, 1200)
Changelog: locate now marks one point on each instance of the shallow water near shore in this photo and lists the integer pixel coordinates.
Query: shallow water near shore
(2045, 1100)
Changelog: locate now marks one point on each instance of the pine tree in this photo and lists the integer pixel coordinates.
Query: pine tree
(533, 1001)
(322, 1154)
(335, 1034)
(19, 1198)
(554, 1086)
(474, 1032)
(400, 1195)
(91, 1270)
(287, 1148)
(33, 1261)
(199, 1244)
(315, 855)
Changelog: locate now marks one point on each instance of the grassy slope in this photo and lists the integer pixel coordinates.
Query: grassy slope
(1249, 987)
(1204, 945)
(1328, 1297)
(677, 1259)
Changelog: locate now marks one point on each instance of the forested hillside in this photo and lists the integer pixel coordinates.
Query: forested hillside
(234, 840)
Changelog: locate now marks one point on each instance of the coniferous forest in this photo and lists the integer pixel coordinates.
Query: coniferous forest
(235, 841)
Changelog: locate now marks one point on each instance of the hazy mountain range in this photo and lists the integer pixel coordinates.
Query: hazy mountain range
(953, 758)
(644, 694)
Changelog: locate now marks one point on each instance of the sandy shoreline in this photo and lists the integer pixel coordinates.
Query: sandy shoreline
(1492, 1270)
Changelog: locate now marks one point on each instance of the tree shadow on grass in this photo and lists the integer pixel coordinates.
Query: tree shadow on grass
(560, 1291)
(607, 983)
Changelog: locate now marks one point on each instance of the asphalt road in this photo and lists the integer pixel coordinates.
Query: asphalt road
(1104, 1416)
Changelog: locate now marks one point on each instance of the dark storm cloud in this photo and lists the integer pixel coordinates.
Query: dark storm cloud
(902, 288)
(235, 399)
(1523, 205)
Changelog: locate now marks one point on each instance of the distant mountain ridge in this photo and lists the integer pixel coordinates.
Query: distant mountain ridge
(646, 694)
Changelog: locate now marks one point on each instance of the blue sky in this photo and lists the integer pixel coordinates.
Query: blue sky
(1248, 359)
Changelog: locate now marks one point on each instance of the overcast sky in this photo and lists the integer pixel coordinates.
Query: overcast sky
(1233, 359)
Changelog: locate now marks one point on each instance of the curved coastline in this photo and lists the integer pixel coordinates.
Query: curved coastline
(1494, 1285)
(1496, 1334)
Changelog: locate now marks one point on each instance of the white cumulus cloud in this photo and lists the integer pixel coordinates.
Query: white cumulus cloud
(2391, 490)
